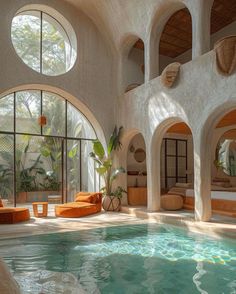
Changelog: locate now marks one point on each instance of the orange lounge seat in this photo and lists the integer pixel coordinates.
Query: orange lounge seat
(13, 215)
(86, 203)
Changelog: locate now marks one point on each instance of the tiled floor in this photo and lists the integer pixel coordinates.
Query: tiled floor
(53, 224)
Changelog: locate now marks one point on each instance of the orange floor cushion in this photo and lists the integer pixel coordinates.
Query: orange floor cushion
(14, 215)
(75, 209)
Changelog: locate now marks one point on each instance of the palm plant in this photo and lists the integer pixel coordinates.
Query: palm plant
(104, 160)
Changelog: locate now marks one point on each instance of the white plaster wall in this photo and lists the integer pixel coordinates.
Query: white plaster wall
(92, 78)
(132, 67)
(93, 82)
(197, 95)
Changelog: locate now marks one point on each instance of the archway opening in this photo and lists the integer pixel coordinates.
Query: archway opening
(176, 39)
(44, 149)
(137, 172)
(133, 74)
(177, 167)
(223, 20)
(223, 166)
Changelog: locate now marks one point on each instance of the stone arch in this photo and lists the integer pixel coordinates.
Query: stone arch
(154, 184)
(212, 120)
(157, 25)
(121, 158)
(132, 62)
(204, 154)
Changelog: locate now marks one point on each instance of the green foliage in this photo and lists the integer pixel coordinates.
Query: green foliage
(105, 163)
(26, 34)
(50, 182)
(114, 142)
(98, 149)
(118, 192)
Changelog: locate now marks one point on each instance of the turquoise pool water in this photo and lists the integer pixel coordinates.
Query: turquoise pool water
(130, 259)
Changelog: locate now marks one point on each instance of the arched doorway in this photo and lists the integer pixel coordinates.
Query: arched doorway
(137, 172)
(223, 165)
(176, 39)
(44, 148)
(133, 64)
(177, 163)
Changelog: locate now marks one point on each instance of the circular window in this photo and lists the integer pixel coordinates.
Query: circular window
(44, 40)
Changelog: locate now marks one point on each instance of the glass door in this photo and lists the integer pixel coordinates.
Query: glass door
(7, 169)
(39, 169)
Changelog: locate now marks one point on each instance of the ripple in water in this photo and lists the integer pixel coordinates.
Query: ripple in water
(129, 259)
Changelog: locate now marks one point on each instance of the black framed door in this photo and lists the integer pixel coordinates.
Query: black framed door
(174, 162)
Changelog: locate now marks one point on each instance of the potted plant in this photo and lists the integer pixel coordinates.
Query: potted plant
(104, 160)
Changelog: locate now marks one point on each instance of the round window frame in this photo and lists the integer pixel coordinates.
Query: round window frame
(62, 22)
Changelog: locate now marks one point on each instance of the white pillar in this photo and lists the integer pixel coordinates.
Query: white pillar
(201, 23)
(153, 179)
(202, 180)
(151, 58)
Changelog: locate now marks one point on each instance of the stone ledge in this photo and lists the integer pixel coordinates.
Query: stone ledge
(218, 227)
(8, 285)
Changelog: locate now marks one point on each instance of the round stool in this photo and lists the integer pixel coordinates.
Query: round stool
(172, 202)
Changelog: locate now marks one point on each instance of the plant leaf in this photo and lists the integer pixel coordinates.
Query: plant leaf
(73, 151)
(98, 149)
(107, 163)
(112, 141)
(101, 170)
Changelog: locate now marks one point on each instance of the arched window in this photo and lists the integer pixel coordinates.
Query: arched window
(176, 39)
(42, 42)
(45, 143)
(133, 63)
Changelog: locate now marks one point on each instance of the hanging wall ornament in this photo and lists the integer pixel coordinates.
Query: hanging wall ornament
(170, 74)
(226, 55)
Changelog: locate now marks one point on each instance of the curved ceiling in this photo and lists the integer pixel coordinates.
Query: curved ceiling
(116, 18)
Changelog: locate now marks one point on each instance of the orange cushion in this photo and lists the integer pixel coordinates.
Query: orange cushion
(75, 209)
(14, 215)
(83, 194)
(1, 204)
(82, 198)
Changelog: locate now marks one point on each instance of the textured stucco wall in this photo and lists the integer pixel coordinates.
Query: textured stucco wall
(95, 83)
(91, 80)
(200, 97)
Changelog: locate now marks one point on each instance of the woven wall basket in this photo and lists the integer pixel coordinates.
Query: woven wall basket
(226, 55)
(170, 74)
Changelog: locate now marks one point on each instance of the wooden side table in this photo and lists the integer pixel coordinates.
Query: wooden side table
(44, 212)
